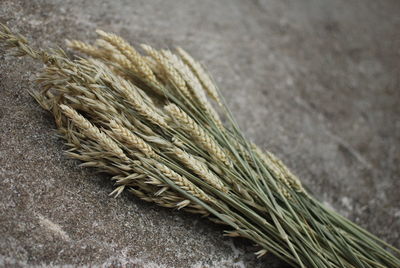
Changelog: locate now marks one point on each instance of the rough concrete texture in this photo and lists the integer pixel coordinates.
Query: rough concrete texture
(315, 81)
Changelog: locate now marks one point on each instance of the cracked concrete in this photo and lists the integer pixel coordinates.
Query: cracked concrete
(316, 82)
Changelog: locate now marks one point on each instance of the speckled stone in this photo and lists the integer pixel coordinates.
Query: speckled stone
(316, 82)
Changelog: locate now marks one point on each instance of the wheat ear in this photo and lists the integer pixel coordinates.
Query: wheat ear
(93, 132)
(131, 140)
(132, 96)
(196, 89)
(204, 78)
(183, 182)
(198, 133)
(199, 169)
(131, 54)
(169, 71)
(85, 48)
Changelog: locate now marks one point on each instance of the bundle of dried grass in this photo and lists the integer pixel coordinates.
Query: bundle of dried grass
(145, 119)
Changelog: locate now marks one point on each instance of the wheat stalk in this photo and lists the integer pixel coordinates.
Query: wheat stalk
(147, 122)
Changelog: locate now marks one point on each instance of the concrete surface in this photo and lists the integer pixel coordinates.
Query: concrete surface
(315, 81)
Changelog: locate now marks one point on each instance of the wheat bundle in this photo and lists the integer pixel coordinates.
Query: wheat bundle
(146, 119)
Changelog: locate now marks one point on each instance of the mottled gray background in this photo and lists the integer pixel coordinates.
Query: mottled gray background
(315, 81)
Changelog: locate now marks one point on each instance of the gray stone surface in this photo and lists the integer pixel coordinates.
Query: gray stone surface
(315, 81)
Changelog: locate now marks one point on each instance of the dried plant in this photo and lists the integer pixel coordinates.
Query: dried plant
(145, 119)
